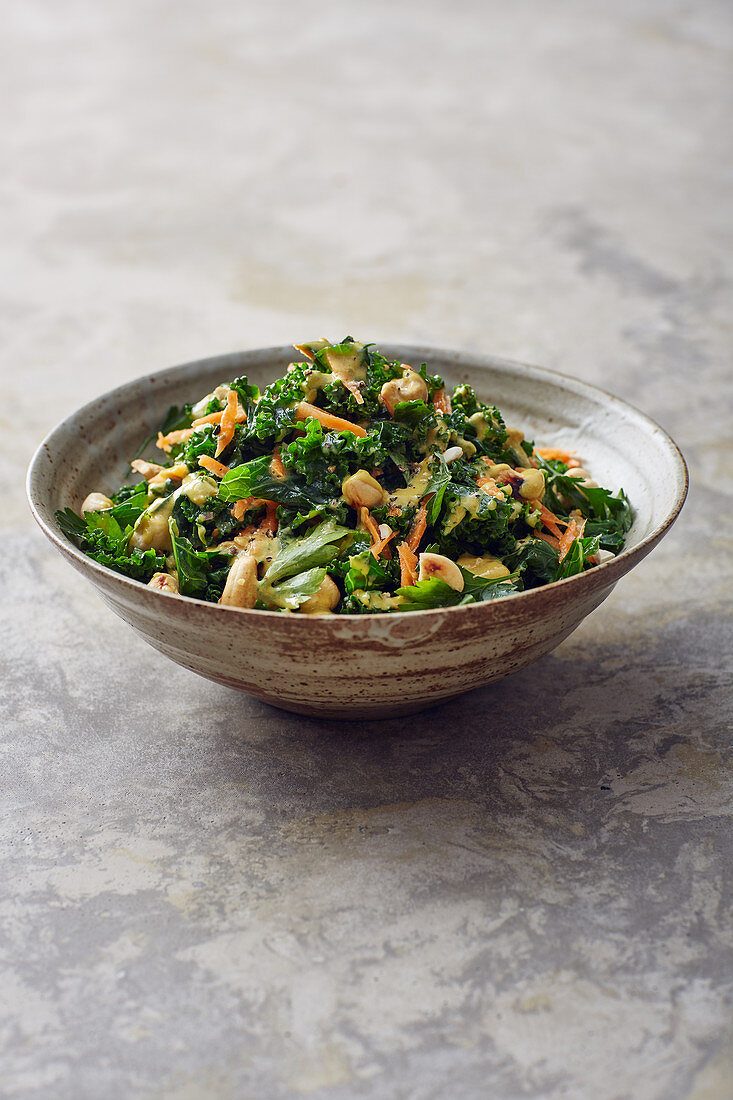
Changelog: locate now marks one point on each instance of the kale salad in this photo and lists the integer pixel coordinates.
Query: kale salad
(352, 485)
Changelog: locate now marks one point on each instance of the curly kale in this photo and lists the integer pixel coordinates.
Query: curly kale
(475, 523)
(100, 536)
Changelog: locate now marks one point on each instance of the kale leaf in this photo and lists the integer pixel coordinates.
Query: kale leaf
(100, 536)
(255, 479)
(302, 554)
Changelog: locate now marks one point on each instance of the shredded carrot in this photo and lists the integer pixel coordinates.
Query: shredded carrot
(556, 453)
(370, 523)
(213, 466)
(165, 442)
(574, 531)
(216, 417)
(303, 411)
(228, 420)
(547, 538)
(211, 418)
(241, 506)
(419, 525)
(489, 485)
(408, 565)
(379, 545)
(442, 402)
(382, 547)
(549, 519)
(277, 468)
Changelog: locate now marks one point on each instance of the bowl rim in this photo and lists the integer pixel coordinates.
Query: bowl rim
(610, 571)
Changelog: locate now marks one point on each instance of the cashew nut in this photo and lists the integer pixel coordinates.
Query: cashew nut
(151, 529)
(410, 387)
(95, 502)
(585, 478)
(533, 484)
(437, 565)
(322, 601)
(240, 589)
(163, 582)
(361, 490)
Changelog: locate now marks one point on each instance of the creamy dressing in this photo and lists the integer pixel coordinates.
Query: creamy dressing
(377, 601)
(414, 491)
(486, 566)
(151, 527)
(350, 365)
(314, 382)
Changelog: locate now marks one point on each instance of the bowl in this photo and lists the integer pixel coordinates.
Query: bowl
(366, 666)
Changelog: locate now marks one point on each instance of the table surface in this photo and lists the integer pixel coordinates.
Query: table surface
(518, 894)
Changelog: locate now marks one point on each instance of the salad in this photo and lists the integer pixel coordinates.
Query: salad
(352, 485)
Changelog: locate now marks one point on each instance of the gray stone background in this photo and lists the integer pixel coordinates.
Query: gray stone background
(520, 894)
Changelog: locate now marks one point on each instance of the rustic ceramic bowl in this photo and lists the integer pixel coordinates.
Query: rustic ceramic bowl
(372, 665)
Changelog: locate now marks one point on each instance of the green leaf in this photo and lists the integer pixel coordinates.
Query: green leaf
(535, 560)
(577, 556)
(482, 588)
(71, 525)
(311, 550)
(438, 483)
(291, 593)
(430, 593)
(108, 525)
(254, 479)
(413, 412)
(247, 394)
(365, 572)
(193, 566)
(133, 506)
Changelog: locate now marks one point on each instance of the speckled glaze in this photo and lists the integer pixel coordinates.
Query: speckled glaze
(378, 665)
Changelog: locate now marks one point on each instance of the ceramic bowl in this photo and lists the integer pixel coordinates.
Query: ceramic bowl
(373, 665)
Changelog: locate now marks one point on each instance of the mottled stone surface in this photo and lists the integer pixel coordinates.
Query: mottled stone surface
(521, 894)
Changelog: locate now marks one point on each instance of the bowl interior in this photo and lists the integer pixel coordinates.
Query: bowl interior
(619, 445)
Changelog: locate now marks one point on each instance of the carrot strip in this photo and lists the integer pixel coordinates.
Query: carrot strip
(408, 565)
(574, 531)
(418, 527)
(489, 485)
(277, 468)
(216, 417)
(547, 538)
(550, 520)
(556, 453)
(442, 402)
(370, 523)
(228, 420)
(241, 506)
(165, 442)
(212, 418)
(383, 547)
(303, 411)
(213, 466)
